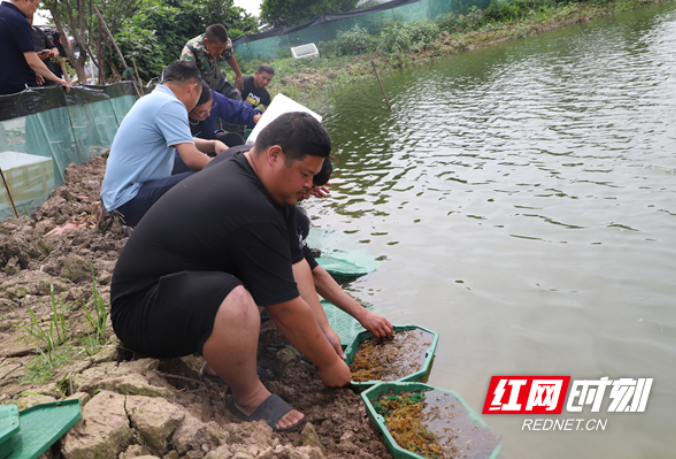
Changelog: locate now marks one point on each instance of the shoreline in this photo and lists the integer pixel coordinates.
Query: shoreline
(311, 84)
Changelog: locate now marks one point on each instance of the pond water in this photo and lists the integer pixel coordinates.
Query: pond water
(522, 200)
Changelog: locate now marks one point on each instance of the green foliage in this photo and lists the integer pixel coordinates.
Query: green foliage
(41, 368)
(58, 332)
(158, 30)
(55, 338)
(502, 11)
(97, 316)
(289, 13)
(469, 22)
(353, 42)
(399, 37)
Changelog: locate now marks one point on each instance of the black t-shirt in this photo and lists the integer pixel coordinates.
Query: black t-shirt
(255, 96)
(220, 219)
(15, 40)
(40, 39)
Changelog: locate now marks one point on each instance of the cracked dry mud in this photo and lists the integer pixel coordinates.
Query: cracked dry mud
(135, 406)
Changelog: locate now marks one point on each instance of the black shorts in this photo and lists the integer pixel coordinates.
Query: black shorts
(174, 317)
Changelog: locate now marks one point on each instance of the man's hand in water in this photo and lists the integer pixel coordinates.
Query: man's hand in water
(376, 324)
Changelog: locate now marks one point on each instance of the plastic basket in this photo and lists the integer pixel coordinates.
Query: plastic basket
(416, 376)
(340, 254)
(9, 426)
(461, 411)
(42, 425)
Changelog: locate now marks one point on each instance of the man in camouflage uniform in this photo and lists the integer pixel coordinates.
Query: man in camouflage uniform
(206, 52)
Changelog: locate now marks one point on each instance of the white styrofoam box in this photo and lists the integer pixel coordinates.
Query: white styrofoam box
(309, 50)
(279, 105)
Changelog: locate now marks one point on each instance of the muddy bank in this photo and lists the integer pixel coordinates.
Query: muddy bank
(135, 406)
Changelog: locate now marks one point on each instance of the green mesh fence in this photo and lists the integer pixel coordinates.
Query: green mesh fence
(44, 130)
(266, 45)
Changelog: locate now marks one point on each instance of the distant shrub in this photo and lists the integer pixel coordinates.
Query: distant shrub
(398, 37)
(501, 11)
(471, 21)
(354, 41)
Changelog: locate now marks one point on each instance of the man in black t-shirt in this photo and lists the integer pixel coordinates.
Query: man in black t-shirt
(211, 250)
(254, 91)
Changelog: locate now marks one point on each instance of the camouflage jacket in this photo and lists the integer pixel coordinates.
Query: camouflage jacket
(195, 51)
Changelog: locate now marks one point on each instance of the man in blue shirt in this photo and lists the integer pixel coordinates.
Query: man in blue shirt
(141, 158)
(21, 65)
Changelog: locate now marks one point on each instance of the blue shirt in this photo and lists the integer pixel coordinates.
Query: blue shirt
(230, 111)
(143, 146)
(16, 38)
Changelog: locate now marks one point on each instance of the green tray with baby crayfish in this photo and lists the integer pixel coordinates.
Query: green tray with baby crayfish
(352, 348)
(467, 430)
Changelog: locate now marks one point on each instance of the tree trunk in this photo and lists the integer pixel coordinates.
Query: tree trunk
(77, 64)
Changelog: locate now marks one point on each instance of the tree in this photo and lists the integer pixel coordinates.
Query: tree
(288, 13)
(76, 14)
(159, 29)
(153, 32)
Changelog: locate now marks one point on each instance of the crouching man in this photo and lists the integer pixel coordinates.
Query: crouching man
(211, 250)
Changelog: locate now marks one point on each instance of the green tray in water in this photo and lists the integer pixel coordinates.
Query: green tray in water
(340, 255)
(416, 376)
(343, 323)
(42, 425)
(463, 420)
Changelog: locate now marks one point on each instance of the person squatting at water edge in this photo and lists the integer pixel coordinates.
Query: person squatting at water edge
(193, 272)
(325, 285)
(138, 171)
(202, 118)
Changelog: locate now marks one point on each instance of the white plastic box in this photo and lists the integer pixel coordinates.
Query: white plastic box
(309, 50)
(279, 105)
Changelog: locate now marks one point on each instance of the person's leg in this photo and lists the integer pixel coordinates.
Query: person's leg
(133, 210)
(236, 329)
(231, 139)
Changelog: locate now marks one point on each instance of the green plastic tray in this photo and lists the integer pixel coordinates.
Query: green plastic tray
(9, 426)
(340, 255)
(456, 401)
(351, 350)
(42, 425)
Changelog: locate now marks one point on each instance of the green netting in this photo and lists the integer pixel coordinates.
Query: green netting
(43, 131)
(327, 27)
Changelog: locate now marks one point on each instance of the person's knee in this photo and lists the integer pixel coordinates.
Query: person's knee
(239, 308)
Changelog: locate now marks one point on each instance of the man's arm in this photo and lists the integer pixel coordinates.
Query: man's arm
(234, 111)
(328, 288)
(303, 277)
(296, 320)
(210, 146)
(239, 79)
(187, 55)
(41, 69)
(191, 156)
